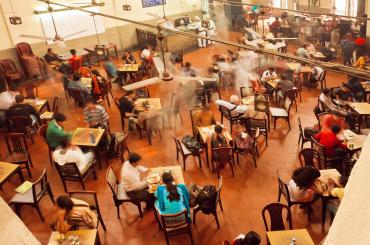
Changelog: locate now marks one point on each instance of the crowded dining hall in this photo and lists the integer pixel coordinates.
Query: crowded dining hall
(182, 122)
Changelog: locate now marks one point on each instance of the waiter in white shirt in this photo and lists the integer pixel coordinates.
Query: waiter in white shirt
(270, 74)
(211, 30)
(132, 182)
(202, 43)
(233, 106)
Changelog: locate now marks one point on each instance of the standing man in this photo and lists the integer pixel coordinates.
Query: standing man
(75, 62)
(202, 43)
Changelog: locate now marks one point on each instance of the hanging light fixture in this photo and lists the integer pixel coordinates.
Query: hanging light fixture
(14, 20)
(126, 7)
(99, 49)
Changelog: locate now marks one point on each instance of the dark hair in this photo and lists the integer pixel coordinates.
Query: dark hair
(64, 141)
(76, 77)
(73, 51)
(218, 129)
(326, 91)
(187, 64)
(335, 128)
(305, 176)
(49, 49)
(173, 194)
(59, 117)
(304, 45)
(222, 59)
(129, 92)
(271, 68)
(251, 238)
(19, 98)
(90, 101)
(65, 202)
(134, 157)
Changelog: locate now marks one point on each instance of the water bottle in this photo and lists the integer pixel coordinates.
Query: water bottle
(293, 241)
(92, 137)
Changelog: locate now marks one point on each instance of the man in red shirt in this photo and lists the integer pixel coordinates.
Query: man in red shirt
(75, 61)
(328, 138)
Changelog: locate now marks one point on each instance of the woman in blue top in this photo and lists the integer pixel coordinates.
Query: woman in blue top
(171, 199)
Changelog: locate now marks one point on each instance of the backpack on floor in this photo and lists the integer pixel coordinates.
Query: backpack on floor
(206, 199)
(191, 143)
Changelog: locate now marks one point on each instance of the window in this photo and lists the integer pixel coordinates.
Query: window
(346, 7)
(280, 3)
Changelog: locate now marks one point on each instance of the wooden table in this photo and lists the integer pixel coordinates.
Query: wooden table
(81, 136)
(362, 109)
(86, 237)
(85, 55)
(128, 68)
(284, 237)
(105, 47)
(295, 66)
(7, 170)
(354, 141)
(176, 172)
(154, 104)
(207, 131)
(38, 104)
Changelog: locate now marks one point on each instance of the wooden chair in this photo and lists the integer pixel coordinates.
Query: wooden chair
(284, 191)
(55, 107)
(298, 83)
(310, 157)
(302, 138)
(142, 93)
(22, 124)
(253, 150)
(320, 118)
(252, 125)
(42, 134)
(246, 92)
(33, 196)
(77, 96)
(283, 113)
(90, 198)
(216, 203)
(324, 158)
(30, 90)
(70, 172)
(18, 152)
(175, 224)
(10, 71)
(196, 133)
(150, 126)
(233, 119)
(292, 95)
(123, 148)
(107, 89)
(276, 213)
(322, 80)
(185, 152)
(119, 195)
(222, 156)
(85, 71)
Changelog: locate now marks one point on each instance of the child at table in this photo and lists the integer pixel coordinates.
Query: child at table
(336, 190)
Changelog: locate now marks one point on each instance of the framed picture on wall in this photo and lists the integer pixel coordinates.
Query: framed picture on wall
(152, 3)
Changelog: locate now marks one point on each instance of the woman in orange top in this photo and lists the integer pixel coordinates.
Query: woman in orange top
(97, 84)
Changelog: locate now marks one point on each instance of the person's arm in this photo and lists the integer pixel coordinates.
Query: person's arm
(62, 226)
(317, 136)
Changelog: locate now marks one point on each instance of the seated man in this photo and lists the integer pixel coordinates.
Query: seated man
(77, 84)
(72, 213)
(270, 74)
(127, 105)
(302, 52)
(23, 109)
(68, 153)
(135, 186)
(329, 139)
(111, 70)
(342, 93)
(75, 62)
(128, 58)
(188, 70)
(355, 87)
(315, 76)
(51, 57)
(55, 131)
(233, 106)
(284, 85)
(329, 105)
(95, 115)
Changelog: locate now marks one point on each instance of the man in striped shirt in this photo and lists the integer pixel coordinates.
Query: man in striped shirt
(95, 115)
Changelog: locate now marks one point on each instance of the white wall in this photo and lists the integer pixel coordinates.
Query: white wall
(31, 22)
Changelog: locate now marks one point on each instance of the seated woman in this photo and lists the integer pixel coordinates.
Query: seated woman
(73, 213)
(301, 186)
(97, 85)
(218, 139)
(171, 198)
(68, 153)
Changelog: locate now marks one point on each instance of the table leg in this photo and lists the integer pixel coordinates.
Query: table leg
(324, 201)
(116, 51)
(20, 174)
(207, 158)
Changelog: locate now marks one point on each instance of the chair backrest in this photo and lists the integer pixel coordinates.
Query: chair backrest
(40, 186)
(310, 157)
(8, 66)
(225, 112)
(123, 148)
(20, 123)
(112, 181)
(283, 188)
(178, 145)
(68, 170)
(23, 48)
(172, 222)
(42, 132)
(85, 71)
(261, 103)
(287, 105)
(275, 211)
(320, 149)
(31, 91)
(77, 96)
(55, 104)
(300, 128)
(87, 196)
(16, 142)
(252, 124)
(246, 91)
(192, 112)
(320, 118)
(291, 94)
(298, 83)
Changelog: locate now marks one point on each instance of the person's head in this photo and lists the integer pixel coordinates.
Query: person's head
(59, 118)
(50, 50)
(251, 238)
(326, 91)
(130, 94)
(277, 18)
(144, 47)
(305, 176)
(234, 99)
(65, 141)
(230, 52)
(218, 129)
(271, 69)
(335, 128)
(90, 104)
(222, 59)
(19, 98)
(134, 158)
(187, 65)
(65, 202)
(73, 52)
(173, 194)
(76, 77)
(304, 46)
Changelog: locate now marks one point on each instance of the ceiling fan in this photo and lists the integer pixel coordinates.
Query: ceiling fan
(164, 75)
(59, 40)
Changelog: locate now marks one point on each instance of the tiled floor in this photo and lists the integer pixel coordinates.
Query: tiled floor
(243, 196)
